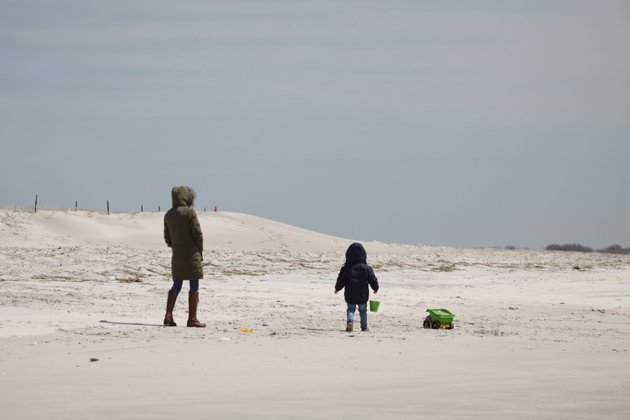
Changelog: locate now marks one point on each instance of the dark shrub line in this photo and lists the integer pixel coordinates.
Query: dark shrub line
(613, 249)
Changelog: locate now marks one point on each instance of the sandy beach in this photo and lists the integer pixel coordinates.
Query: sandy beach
(538, 334)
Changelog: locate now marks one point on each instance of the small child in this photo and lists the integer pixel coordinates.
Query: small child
(355, 276)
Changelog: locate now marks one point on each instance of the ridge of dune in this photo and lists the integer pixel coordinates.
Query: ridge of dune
(222, 230)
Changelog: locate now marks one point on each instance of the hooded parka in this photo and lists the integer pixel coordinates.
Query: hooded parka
(356, 275)
(182, 233)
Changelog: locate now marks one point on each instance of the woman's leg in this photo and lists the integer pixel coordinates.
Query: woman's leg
(193, 303)
(177, 286)
(170, 303)
(194, 286)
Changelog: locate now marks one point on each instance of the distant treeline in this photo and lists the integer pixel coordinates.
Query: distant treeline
(613, 249)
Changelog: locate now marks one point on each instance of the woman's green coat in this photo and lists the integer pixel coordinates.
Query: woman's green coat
(182, 233)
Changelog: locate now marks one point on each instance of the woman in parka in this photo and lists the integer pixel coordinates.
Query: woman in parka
(182, 233)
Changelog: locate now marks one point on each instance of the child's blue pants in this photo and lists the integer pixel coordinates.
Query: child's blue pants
(352, 307)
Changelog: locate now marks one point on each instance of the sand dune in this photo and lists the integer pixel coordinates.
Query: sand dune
(223, 230)
(538, 334)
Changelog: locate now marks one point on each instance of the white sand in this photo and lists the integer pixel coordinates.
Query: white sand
(538, 334)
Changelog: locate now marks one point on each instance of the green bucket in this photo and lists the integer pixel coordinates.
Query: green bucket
(374, 304)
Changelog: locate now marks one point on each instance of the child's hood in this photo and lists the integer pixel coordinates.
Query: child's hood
(356, 254)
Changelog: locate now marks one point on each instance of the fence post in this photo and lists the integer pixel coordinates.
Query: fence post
(158, 209)
(76, 205)
(107, 206)
(141, 208)
(35, 203)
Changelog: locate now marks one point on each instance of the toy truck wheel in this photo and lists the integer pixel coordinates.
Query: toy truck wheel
(451, 326)
(436, 324)
(427, 322)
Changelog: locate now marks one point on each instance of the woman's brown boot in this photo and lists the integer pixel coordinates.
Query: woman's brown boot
(170, 305)
(193, 302)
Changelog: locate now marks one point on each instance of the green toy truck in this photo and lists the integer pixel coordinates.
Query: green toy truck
(439, 318)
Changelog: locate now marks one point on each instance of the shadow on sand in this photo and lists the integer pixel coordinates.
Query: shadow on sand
(136, 324)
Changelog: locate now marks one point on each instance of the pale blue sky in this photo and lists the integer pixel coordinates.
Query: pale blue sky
(461, 123)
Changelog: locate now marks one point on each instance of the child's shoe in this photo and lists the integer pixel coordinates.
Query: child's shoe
(367, 329)
(349, 327)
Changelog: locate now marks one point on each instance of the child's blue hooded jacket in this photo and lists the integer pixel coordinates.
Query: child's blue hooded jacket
(356, 275)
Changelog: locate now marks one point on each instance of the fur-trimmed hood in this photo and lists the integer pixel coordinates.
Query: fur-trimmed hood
(183, 196)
